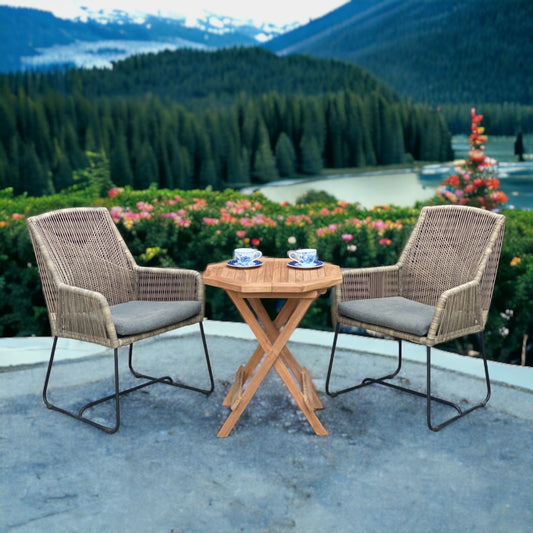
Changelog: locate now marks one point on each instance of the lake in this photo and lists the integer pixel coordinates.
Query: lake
(405, 187)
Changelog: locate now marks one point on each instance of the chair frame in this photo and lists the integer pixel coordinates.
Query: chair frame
(429, 397)
(67, 301)
(386, 281)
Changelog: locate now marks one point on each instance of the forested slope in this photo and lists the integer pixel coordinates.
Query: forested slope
(193, 119)
(438, 52)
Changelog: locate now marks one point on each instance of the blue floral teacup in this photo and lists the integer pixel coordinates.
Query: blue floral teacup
(246, 256)
(303, 256)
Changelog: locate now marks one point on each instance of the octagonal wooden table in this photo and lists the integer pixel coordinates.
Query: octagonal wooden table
(247, 287)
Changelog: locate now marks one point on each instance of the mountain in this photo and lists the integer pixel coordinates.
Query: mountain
(35, 39)
(433, 51)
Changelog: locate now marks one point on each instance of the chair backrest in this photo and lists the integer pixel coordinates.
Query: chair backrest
(451, 245)
(82, 247)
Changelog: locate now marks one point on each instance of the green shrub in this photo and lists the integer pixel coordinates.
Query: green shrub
(313, 197)
(193, 228)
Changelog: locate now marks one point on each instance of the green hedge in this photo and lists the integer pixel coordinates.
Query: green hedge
(193, 228)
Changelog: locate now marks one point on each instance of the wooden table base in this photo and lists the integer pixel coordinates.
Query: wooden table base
(272, 352)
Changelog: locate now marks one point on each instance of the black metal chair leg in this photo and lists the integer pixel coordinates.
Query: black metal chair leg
(117, 393)
(461, 413)
(429, 397)
(364, 382)
(168, 380)
(79, 415)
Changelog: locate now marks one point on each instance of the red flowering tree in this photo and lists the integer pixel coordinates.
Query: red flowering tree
(474, 181)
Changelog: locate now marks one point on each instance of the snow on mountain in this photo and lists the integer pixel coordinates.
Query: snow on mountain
(88, 38)
(205, 21)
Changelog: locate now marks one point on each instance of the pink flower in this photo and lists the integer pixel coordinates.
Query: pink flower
(115, 191)
(210, 221)
(17, 216)
(347, 237)
(255, 242)
(324, 211)
(144, 206)
(240, 233)
(116, 213)
(181, 212)
(385, 242)
(379, 224)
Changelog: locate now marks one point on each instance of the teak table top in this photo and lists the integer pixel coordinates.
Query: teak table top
(273, 279)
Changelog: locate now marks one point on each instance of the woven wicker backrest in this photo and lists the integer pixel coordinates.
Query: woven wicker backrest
(82, 247)
(449, 246)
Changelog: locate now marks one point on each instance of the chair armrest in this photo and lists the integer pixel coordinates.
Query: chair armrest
(365, 283)
(169, 284)
(84, 315)
(458, 312)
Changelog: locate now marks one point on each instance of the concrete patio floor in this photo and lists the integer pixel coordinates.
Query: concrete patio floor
(380, 469)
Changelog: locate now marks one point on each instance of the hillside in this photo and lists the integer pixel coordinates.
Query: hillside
(200, 78)
(35, 39)
(192, 119)
(437, 52)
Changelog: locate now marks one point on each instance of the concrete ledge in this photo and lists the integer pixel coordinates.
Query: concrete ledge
(15, 351)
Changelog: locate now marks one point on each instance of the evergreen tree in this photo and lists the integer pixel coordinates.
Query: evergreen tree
(207, 175)
(121, 172)
(33, 178)
(237, 169)
(264, 169)
(4, 169)
(62, 171)
(311, 160)
(285, 156)
(145, 167)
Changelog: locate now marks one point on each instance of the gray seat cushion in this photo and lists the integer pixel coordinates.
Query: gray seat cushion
(394, 312)
(135, 317)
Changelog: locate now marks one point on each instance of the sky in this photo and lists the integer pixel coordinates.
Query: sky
(278, 12)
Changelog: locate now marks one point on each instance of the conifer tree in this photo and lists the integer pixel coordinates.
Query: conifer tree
(121, 172)
(285, 156)
(4, 169)
(62, 171)
(33, 178)
(311, 160)
(264, 166)
(145, 167)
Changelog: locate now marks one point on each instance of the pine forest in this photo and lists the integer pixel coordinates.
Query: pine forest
(191, 119)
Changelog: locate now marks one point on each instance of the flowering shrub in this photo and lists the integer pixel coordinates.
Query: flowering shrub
(474, 181)
(192, 228)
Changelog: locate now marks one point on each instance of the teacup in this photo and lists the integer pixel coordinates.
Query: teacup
(303, 256)
(246, 256)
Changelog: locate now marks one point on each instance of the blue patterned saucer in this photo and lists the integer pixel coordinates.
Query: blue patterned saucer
(295, 264)
(233, 263)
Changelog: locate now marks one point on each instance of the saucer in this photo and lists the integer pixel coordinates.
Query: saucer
(233, 263)
(295, 264)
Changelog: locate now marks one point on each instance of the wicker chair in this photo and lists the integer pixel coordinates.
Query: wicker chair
(95, 292)
(440, 289)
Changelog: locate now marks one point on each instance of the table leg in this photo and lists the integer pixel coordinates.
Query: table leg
(281, 319)
(272, 343)
(298, 380)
